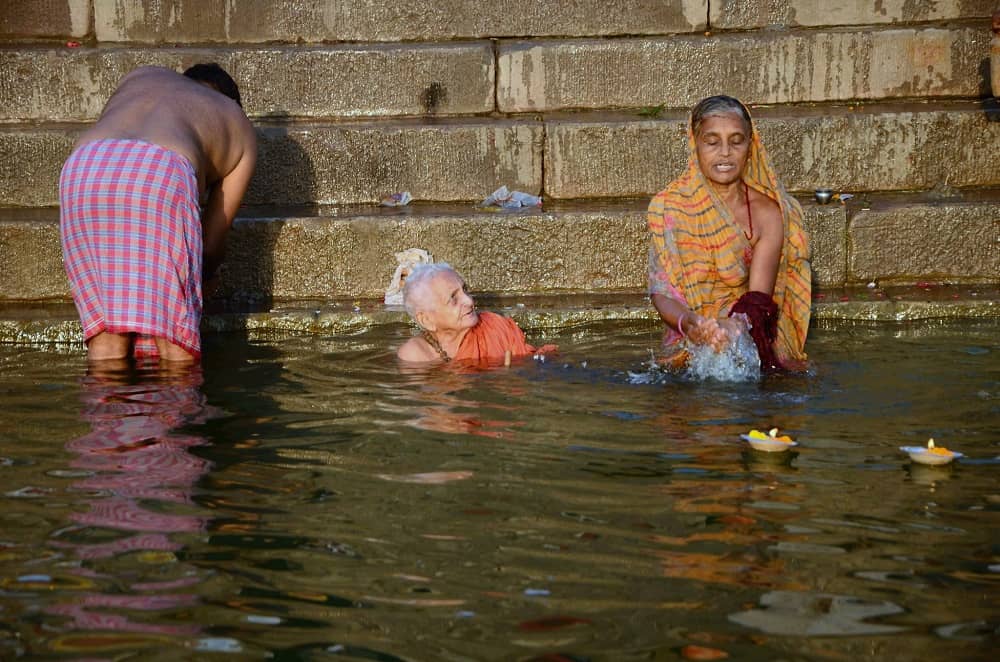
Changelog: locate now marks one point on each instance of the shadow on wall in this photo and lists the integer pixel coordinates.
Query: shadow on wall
(284, 184)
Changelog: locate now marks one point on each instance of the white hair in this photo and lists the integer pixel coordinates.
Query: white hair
(415, 286)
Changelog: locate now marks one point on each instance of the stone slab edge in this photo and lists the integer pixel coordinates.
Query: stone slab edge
(319, 322)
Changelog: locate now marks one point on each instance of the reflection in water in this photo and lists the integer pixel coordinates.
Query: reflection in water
(736, 511)
(817, 614)
(446, 410)
(137, 476)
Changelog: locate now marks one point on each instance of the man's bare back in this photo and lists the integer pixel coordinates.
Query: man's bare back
(160, 106)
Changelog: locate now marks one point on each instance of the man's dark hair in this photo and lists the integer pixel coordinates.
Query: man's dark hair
(217, 78)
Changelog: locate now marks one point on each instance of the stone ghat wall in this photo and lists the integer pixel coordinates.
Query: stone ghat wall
(581, 101)
(529, 112)
(315, 21)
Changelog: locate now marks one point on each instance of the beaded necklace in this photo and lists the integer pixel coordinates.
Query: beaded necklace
(435, 345)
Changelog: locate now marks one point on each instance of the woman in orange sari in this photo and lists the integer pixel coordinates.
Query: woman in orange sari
(452, 329)
(727, 239)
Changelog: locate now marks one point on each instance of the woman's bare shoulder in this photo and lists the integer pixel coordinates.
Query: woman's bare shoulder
(416, 350)
(766, 211)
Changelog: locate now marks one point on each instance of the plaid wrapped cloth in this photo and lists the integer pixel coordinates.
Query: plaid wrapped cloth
(130, 226)
(701, 258)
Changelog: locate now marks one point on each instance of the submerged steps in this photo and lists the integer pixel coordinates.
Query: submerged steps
(57, 324)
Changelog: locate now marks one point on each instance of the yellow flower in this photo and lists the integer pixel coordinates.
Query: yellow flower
(772, 435)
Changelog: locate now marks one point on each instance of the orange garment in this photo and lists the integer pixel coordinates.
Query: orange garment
(492, 337)
(700, 257)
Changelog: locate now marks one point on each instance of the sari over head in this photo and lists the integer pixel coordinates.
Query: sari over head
(700, 257)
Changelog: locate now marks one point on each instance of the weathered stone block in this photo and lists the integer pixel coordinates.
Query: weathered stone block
(826, 226)
(342, 163)
(535, 252)
(995, 65)
(576, 249)
(612, 157)
(870, 149)
(748, 14)
(593, 248)
(942, 241)
(337, 81)
(759, 68)
(345, 164)
(31, 159)
(44, 18)
(32, 258)
(192, 21)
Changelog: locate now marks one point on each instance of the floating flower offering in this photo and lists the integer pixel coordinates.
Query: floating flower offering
(770, 442)
(930, 455)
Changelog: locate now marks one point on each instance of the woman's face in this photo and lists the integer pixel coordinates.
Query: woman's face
(722, 144)
(450, 308)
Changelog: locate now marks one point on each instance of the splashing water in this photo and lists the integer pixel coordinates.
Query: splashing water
(738, 362)
(653, 372)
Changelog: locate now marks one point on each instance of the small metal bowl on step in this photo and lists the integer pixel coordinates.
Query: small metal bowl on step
(823, 195)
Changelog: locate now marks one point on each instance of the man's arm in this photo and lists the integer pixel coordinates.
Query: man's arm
(223, 203)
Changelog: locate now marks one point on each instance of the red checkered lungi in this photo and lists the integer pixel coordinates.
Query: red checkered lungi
(132, 241)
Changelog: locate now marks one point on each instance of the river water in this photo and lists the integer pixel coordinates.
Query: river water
(303, 498)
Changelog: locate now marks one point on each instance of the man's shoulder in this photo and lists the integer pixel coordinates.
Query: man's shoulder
(148, 72)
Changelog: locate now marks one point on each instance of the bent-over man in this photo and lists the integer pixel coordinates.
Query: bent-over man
(146, 199)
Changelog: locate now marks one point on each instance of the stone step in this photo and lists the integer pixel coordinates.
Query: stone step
(353, 80)
(764, 67)
(55, 325)
(739, 15)
(311, 21)
(881, 147)
(344, 163)
(594, 247)
(541, 75)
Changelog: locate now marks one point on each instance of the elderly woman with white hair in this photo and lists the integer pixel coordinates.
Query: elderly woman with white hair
(452, 329)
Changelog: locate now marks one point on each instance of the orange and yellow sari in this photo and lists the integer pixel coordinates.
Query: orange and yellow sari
(700, 257)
